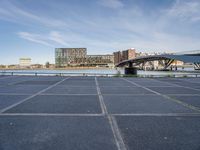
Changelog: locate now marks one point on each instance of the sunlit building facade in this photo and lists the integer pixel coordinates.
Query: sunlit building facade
(25, 62)
(65, 57)
(124, 55)
(70, 56)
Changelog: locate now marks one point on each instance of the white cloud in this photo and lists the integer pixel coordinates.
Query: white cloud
(175, 42)
(186, 10)
(112, 3)
(36, 38)
(57, 37)
(52, 39)
(130, 27)
(11, 12)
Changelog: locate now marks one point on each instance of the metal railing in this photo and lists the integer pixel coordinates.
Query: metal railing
(52, 74)
(12, 73)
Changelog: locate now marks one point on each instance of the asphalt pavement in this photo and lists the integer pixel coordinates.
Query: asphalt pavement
(99, 113)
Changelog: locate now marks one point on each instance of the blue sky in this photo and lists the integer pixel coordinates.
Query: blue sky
(34, 28)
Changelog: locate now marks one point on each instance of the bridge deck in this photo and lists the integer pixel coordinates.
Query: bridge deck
(195, 59)
(99, 113)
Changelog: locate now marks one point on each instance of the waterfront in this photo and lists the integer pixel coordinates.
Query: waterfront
(100, 75)
(100, 71)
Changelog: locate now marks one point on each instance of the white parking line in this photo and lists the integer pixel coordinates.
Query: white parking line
(26, 79)
(14, 94)
(177, 85)
(103, 106)
(69, 94)
(183, 94)
(189, 80)
(117, 135)
(48, 114)
(11, 106)
(133, 114)
(8, 77)
(159, 114)
(165, 96)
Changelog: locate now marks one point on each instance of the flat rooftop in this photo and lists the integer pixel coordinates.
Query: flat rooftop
(99, 113)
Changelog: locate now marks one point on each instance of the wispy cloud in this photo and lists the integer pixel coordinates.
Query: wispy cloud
(51, 39)
(186, 10)
(57, 37)
(127, 27)
(36, 38)
(112, 3)
(11, 12)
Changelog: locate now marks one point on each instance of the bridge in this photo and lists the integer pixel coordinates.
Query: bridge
(187, 57)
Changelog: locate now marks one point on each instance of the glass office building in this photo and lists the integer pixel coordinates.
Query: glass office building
(65, 57)
(70, 56)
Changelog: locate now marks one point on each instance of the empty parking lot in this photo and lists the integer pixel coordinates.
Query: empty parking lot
(99, 113)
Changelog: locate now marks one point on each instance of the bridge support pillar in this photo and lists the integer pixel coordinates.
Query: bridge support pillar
(130, 71)
(197, 66)
(168, 63)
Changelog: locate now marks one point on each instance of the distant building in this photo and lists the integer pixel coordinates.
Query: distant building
(128, 54)
(25, 62)
(69, 56)
(177, 63)
(12, 66)
(124, 55)
(100, 60)
(2, 66)
(37, 66)
(117, 57)
(78, 57)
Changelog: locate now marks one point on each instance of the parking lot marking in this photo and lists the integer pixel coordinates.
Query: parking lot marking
(160, 114)
(117, 135)
(51, 86)
(48, 114)
(9, 77)
(165, 96)
(176, 85)
(103, 106)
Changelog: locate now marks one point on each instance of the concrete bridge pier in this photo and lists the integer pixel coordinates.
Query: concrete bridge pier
(197, 65)
(130, 70)
(168, 62)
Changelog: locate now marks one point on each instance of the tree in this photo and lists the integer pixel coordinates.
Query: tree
(47, 64)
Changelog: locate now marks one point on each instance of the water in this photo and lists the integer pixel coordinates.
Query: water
(97, 72)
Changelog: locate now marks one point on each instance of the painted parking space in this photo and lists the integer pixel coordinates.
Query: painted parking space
(160, 132)
(46, 112)
(40, 133)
